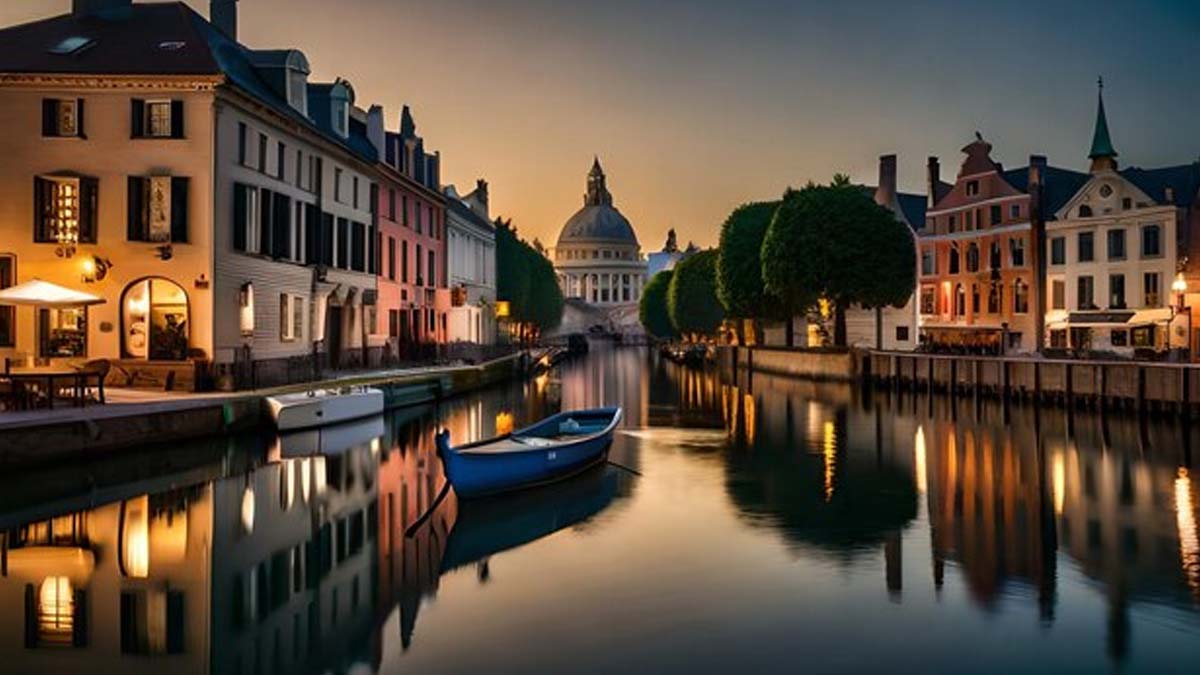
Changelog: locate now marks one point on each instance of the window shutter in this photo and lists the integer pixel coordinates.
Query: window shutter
(136, 227)
(179, 210)
(137, 118)
(41, 208)
(79, 636)
(176, 119)
(343, 243)
(49, 117)
(266, 244)
(312, 233)
(327, 239)
(79, 119)
(175, 622)
(282, 225)
(239, 217)
(89, 192)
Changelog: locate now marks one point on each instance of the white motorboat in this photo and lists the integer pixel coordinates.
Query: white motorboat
(318, 407)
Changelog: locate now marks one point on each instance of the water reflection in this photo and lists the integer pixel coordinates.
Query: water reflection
(755, 519)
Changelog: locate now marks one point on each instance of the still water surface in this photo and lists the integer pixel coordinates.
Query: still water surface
(752, 526)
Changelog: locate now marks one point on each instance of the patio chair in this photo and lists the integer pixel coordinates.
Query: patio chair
(99, 368)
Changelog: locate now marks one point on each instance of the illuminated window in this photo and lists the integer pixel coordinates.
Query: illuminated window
(65, 211)
(62, 331)
(154, 320)
(135, 537)
(56, 612)
(62, 118)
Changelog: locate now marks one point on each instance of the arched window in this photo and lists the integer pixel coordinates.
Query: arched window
(995, 298)
(155, 320)
(1085, 211)
(995, 255)
(960, 301)
(1020, 297)
(973, 257)
(953, 259)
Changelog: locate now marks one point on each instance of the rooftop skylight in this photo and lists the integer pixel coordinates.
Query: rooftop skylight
(72, 45)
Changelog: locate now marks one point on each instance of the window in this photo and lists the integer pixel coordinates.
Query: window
(972, 190)
(300, 169)
(928, 261)
(901, 333)
(1016, 251)
(358, 247)
(1058, 251)
(156, 119)
(1014, 211)
(1116, 291)
(1058, 294)
(280, 159)
(354, 192)
(972, 257)
(62, 332)
(391, 258)
(995, 298)
(404, 209)
(404, 261)
(1020, 297)
(53, 613)
(996, 214)
(975, 298)
(337, 184)
(1142, 336)
(62, 118)
(418, 211)
(1116, 244)
(432, 268)
(1085, 211)
(420, 263)
(1126, 203)
(953, 266)
(1014, 339)
(152, 621)
(1150, 289)
(8, 313)
(1085, 293)
(960, 300)
(157, 209)
(995, 256)
(247, 219)
(392, 204)
(1151, 241)
(242, 132)
(343, 244)
(65, 210)
(1119, 338)
(968, 220)
(154, 320)
(262, 152)
(1087, 247)
(300, 232)
(291, 317)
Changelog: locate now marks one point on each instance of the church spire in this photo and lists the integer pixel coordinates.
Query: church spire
(597, 188)
(1103, 155)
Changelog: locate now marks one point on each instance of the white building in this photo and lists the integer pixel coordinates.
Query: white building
(471, 260)
(598, 259)
(1113, 255)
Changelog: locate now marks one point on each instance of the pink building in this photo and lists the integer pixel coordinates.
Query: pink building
(414, 297)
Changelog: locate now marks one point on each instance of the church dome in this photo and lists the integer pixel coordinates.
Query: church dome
(598, 220)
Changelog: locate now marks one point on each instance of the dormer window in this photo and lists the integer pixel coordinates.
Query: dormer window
(341, 117)
(972, 188)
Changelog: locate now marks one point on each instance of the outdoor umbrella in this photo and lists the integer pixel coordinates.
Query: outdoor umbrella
(45, 294)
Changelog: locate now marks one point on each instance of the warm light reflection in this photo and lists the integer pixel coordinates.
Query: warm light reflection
(541, 381)
(289, 483)
(504, 423)
(305, 479)
(919, 460)
(248, 510)
(748, 404)
(137, 537)
(1185, 520)
(1060, 483)
(829, 454)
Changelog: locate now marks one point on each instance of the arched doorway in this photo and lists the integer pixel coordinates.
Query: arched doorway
(155, 320)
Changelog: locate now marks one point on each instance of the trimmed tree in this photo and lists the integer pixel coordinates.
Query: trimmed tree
(652, 308)
(739, 264)
(692, 296)
(526, 279)
(834, 242)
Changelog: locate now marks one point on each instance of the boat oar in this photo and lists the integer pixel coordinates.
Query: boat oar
(412, 529)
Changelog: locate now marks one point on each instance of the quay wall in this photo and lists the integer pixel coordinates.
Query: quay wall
(815, 364)
(94, 431)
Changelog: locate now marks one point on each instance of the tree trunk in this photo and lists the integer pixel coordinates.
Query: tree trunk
(839, 325)
(740, 331)
(789, 332)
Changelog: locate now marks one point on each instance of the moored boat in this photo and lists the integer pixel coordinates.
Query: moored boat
(318, 407)
(559, 446)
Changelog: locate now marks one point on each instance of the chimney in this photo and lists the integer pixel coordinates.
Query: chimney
(933, 181)
(1169, 194)
(223, 15)
(885, 194)
(375, 132)
(479, 199)
(84, 7)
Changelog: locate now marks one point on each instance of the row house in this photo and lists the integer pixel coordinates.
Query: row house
(218, 201)
(1117, 255)
(978, 254)
(471, 258)
(412, 275)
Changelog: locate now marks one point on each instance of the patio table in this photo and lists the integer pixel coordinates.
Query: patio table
(51, 379)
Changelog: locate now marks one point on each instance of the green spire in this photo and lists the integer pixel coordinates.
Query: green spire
(1101, 142)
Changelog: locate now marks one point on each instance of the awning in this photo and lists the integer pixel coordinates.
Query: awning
(1129, 318)
(45, 294)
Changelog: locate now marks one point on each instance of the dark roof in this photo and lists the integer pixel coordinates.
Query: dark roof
(467, 213)
(1184, 179)
(597, 223)
(913, 207)
(1101, 141)
(125, 42)
(128, 41)
(1059, 185)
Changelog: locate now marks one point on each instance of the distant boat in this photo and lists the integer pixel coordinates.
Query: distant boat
(318, 407)
(485, 527)
(559, 446)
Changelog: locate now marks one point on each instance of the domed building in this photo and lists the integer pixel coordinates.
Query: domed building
(598, 259)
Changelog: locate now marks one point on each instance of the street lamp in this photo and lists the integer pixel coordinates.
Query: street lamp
(1179, 286)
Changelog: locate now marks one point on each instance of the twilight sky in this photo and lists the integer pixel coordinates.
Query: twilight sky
(697, 106)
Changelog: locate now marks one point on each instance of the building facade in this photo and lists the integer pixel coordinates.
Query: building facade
(598, 259)
(413, 296)
(1114, 253)
(978, 254)
(215, 199)
(471, 260)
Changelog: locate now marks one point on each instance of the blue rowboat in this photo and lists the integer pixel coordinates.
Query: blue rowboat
(559, 446)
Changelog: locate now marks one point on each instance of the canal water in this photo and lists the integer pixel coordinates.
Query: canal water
(754, 525)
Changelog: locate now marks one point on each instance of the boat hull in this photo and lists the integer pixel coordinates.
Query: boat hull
(301, 411)
(479, 474)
